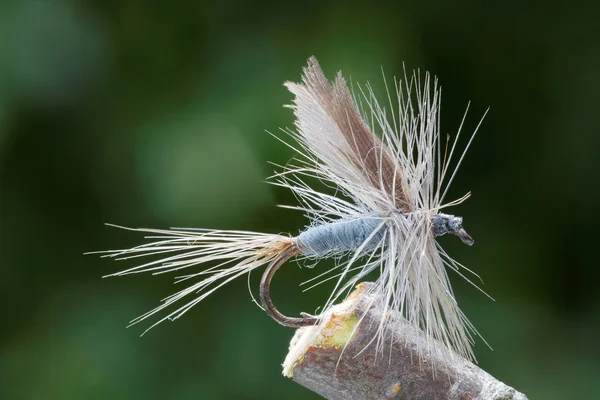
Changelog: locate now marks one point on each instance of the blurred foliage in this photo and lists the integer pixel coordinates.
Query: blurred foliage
(154, 114)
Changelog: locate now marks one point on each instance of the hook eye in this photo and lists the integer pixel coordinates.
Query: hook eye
(464, 236)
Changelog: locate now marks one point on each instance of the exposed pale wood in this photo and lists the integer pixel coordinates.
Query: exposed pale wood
(396, 371)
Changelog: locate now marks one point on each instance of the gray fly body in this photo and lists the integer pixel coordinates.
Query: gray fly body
(389, 165)
(340, 237)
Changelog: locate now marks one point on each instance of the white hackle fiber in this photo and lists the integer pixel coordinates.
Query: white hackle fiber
(398, 175)
(387, 163)
(237, 253)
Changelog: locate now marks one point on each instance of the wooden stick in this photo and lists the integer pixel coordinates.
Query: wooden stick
(320, 360)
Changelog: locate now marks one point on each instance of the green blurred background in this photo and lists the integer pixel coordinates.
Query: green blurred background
(154, 114)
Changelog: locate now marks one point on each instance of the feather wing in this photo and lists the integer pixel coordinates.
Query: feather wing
(331, 128)
(404, 170)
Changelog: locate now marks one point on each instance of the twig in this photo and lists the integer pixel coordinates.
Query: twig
(320, 360)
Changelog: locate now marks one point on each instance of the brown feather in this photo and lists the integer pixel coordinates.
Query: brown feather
(370, 153)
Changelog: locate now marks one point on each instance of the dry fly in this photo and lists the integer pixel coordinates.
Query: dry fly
(391, 177)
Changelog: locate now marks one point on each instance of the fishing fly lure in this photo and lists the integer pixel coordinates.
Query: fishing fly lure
(391, 176)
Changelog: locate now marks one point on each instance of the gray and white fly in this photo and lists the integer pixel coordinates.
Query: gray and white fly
(391, 176)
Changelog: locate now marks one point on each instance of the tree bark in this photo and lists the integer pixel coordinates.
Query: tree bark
(338, 359)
